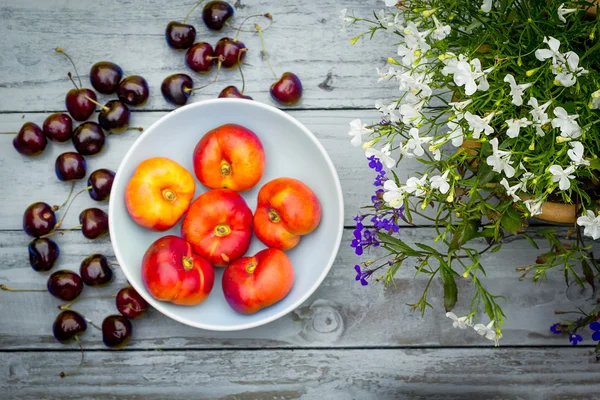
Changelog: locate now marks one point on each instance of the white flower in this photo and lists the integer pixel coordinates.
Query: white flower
(568, 72)
(591, 223)
(441, 31)
(417, 84)
(393, 195)
(576, 154)
(441, 182)
(511, 190)
(595, 103)
(478, 124)
(488, 331)
(450, 62)
(385, 76)
(390, 3)
(516, 91)
(486, 6)
(411, 114)
(470, 75)
(538, 113)
(515, 125)
(388, 110)
(564, 11)
(534, 206)
(415, 142)
(383, 155)
(415, 38)
(456, 134)
(416, 186)
(569, 128)
(500, 160)
(524, 179)
(459, 322)
(357, 130)
(344, 20)
(553, 51)
(408, 54)
(562, 176)
(459, 107)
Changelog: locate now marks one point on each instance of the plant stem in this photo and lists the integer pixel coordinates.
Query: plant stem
(262, 41)
(59, 50)
(221, 58)
(68, 305)
(67, 200)
(190, 12)
(9, 289)
(239, 28)
(65, 374)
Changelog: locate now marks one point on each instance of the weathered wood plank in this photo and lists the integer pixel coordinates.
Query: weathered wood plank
(340, 313)
(307, 374)
(29, 179)
(305, 39)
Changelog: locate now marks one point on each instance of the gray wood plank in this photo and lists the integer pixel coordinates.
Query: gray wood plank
(29, 179)
(341, 313)
(306, 374)
(303, 39)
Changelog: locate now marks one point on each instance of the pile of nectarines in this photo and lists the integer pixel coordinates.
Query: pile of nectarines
(218, 225)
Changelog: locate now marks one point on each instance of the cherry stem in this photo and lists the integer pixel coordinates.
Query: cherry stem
(8, 133)
(74, 371)
(136, 128)
(262, 41)
(59, 50)
(193, 8)
(9, 289)
(68, 305)
(72, 81)
(241, 73)
(221, 59)
(59, 223)
(106, 109)
(89, 321)
(239, 28)
(56, 208)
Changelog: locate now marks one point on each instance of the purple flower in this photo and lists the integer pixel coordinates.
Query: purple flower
(556, 328)
(375, 163)
(595, 326)
(362, 275)
(357, 246)
(380, 179)
(575, 338)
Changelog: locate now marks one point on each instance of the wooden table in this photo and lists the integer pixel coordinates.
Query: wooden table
(346, 341)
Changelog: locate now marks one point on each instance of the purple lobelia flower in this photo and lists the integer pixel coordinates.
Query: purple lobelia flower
(556, 328)
(575, 338)
(362, 275)
(595, 326)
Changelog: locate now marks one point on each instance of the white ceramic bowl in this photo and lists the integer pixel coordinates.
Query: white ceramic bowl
(291, 151)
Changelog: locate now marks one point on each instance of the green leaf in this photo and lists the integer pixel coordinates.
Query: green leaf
(464, 233)
(588, 273)
(488, 306)
(595, 164)
(398, 245)
(512, 221)
(450, 289)
(530, 240)
(427, 248)
(495, 249)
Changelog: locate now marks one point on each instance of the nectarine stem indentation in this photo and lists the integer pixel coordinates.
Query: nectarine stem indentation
(225, 168)
(274, 216)
(169, 195)
(188, 263)
(250, 268)
(222, 230)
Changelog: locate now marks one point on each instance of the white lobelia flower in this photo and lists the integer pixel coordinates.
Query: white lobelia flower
(415, 38)
(562, 11)
(416, 83)
(441, 31)
(416, 186)
(478, 124)
(488, 331)
(459, 107)
(386, 76)
(515, 125)
(344, 20)
(516, 91)
(357, 130)
(562, 176)
(512, 190)
(384, 155)
(567, 73)
(456, 134)
(388, 110)
(569, 128)
(411, 113)
(486, 6)
(470, 75)
(576, 154)
(534, 206)
(525, 177)
(500, 160)
(539, 115)
(450, 61)
(440, 182)
(393, 195)
(460, 322)
(591, 224)
(595, 102)
(415, 142)
(552, 52)
(390, 3)
(408, 54)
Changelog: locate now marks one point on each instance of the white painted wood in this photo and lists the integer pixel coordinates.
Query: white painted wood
(304, 39)
(386, 374)
(341, 313)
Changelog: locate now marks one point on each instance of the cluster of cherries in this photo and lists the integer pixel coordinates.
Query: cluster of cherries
(229, 53)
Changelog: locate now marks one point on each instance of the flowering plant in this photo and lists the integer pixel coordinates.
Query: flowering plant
(499, 103)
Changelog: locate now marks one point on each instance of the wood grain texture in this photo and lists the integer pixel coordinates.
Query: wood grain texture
(306, 374)
(304, 39)
(341, 313)
(32, 179)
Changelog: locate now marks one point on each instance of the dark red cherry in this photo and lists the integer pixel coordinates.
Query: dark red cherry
(232, 51)
(105, 77)
(30, 140)
(94, 223)
(180, 36)
(38, 219)
(89, 138)
(100, 183)
(65, 285)
(200, 57)
(116, 331)
(114, 116)
(176, 88)
(58, 127)
(233, 92)
(94, 270)
(79, 104)
(133, 90)
(67, 325)
(130, 303)
(43, 253)
(216, 13)
(70, 166)
(287, 90)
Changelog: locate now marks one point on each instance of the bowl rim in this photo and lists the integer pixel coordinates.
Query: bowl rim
(159, 305)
